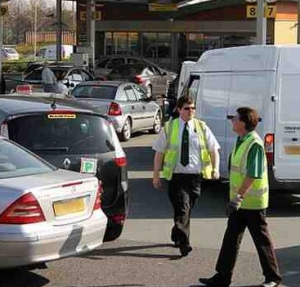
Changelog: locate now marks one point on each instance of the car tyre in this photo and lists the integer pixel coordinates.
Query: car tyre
(126, 131)
(156, 124)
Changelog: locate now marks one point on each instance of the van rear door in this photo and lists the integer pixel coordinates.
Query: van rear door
(287, 121)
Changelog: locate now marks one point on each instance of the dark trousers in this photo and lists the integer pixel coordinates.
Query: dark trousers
(255, 221)
(184, 189)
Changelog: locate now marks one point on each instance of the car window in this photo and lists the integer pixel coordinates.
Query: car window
(96, 92)
(75, 75)
(15, 162)
(130, 93)
(64, 133)
(86, 76)
(155, 70)
(115, 62)
(34, 75)
(140, 93)
(102, 63)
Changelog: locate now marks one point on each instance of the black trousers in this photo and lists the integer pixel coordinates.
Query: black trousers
(255, 221)
(184, 189)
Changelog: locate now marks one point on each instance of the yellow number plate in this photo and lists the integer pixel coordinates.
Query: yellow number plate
(292, 149)
(69, 206)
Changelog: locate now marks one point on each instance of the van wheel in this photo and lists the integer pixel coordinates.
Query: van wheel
(126, 131)
(156, 124)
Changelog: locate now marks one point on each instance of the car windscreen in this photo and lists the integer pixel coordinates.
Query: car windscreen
(127, 70)
(95, 92)
(63, 133)
(16, 162)
(36, 75)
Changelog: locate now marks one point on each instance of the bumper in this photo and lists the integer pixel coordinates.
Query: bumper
(25, 248)
(282, 187)
(117, 122)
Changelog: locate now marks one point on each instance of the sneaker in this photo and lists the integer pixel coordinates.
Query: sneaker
(214, 281)
(269, 284)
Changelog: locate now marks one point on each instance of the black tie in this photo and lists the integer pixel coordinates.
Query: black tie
(185, 146)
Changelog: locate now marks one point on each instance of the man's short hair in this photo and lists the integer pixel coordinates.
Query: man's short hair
(249, 116)
(184, 100)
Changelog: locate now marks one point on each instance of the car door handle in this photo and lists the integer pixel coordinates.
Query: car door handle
(144, 107)
(132, 107)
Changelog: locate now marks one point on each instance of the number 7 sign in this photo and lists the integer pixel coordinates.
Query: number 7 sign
(270, 11)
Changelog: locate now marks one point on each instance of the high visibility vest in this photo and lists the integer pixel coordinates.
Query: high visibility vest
(173, 148)
(258, 195)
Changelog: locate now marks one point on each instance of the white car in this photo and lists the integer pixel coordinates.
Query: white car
(45, 213)
(9, 54)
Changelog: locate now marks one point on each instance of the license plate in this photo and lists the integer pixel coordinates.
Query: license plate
(69, 206)
(292, 149)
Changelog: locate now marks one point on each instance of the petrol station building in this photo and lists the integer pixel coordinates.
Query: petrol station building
(171, 33)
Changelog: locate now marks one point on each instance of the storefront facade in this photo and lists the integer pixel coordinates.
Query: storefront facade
(170, 37)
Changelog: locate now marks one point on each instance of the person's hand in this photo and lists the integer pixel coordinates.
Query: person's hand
(156, 181)
(215, 174)
(235, 204)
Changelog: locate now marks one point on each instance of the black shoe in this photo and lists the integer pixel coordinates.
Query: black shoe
(214, 281)
(185, 250)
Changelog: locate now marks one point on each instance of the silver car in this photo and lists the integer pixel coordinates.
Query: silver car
(45, 213)
(126, 105)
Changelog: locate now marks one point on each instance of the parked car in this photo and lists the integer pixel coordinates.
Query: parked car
(153, 79)
(44, 210)
(126, 105)
(105, 64)
(71, 136)
(72, 75)
(9, 54)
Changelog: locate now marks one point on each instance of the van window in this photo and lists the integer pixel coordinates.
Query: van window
(191, 87)
(62, 133)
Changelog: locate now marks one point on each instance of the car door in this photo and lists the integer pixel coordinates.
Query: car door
(159, 81)
(133, 107)
(146, 107)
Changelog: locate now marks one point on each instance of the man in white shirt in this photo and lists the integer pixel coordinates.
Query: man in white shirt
(186, 151)
(48, 79)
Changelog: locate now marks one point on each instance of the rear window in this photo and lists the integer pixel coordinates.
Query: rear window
(67, 133)
(15, 162)
(128, 70)
(95, 92)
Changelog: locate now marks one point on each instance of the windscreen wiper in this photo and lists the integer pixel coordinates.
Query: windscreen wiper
(58, 149)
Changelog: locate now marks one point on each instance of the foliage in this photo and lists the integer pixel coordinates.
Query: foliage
(14, 66)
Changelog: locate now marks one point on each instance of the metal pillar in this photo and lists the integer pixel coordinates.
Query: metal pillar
(261, 23)
(58, 31)
(298, 23)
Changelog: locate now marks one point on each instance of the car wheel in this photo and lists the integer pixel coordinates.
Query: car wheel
(126, 131)
(149, 91)
(156, 124)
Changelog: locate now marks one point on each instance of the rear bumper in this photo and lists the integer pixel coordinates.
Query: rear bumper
(27, 247)
(282, 187)
(117, 122)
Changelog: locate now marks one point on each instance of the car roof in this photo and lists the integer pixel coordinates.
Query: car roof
(11, 104)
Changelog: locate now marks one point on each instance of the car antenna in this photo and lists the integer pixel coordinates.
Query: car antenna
(53, 104)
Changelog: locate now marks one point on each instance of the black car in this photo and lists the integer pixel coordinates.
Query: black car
(71, 136)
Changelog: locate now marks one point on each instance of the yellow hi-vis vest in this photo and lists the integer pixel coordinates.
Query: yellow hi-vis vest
(172, 152)
(258, 195)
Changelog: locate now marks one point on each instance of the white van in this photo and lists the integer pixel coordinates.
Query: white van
(49, 52)
(266, 78)
(185, 70)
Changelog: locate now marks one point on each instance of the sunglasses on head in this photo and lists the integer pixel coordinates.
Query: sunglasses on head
(236, 117)
(189, 108)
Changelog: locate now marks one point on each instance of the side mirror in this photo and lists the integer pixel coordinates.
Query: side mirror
(66, 83)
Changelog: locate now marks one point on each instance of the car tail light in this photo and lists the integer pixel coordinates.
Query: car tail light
(114, 109)
(121, 161)
(4, 130)
(118, 218)
(97, 204)
(24, 89)
(24, 210)
(138, 79)
(269, 148)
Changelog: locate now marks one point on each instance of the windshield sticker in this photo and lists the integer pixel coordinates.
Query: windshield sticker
(88, 165)
(61, 116)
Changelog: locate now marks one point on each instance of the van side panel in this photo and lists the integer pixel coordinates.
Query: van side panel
(287, 118)
(212, 100)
